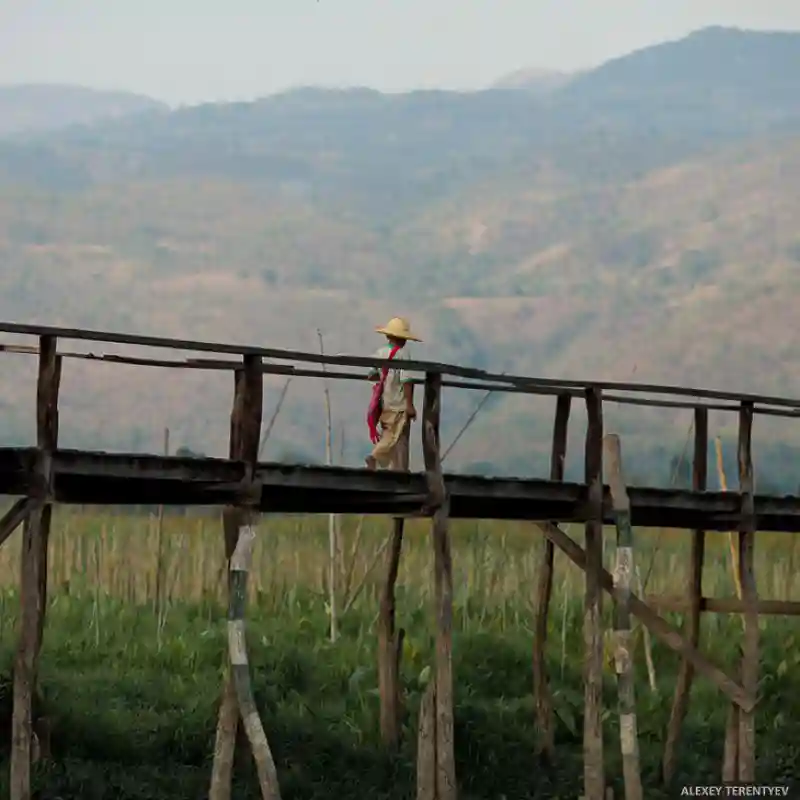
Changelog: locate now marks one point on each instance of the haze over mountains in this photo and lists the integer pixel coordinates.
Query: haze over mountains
(636, 218)
(31, 108)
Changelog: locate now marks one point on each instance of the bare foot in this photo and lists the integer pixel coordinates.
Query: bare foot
(370, 462)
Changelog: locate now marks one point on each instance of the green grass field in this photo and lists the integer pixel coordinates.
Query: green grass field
(132, 689)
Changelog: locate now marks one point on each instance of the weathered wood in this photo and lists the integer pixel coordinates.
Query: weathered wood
(237, 653)
(725, 605)
(593, 769)
(730, 757)
(446, 787)
(33, 589)
(389, 642)
(683, 684)
(747, 529)
(658, 626)
(217, 365)
(245, 435)
(426, 745)
(629, 739)
(125, 479)
(541, 692)
(371, 361)
(15, 516)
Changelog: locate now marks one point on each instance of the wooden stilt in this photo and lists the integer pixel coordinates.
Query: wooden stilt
(730, 758)
(541, 692)
(594, 773)
(389, 640)
(623, 657)
(446, 787)
(245, 431)
(426, 745)
(747, 529)
(33, 593)
(240, 668)
(686, 674)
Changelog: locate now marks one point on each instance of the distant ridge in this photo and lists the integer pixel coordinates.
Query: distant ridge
(49, 106)
(535, 80)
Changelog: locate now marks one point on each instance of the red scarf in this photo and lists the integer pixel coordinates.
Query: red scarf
(376, 402)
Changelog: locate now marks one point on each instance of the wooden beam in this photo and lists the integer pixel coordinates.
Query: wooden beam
(747, 529)
(446, 787)
(15, 515)
(624, 569)
(658, 626)
(724, 605)
(135, 479)
(541, 692)
(33, 591)
(683, 684)
(593, 769)
(370, 361)
(211, 364)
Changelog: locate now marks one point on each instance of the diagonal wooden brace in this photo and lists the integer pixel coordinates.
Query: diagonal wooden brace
(657, 625)
(15, 515)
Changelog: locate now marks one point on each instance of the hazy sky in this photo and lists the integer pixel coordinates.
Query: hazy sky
(187, 51)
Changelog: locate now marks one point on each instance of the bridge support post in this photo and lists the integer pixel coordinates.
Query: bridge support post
(390, 641)
(245, 432)
(593, 769)
(747, 529)
(442, 691)
(544, 591)
(683, 685)
(33, 589)
(624, 569)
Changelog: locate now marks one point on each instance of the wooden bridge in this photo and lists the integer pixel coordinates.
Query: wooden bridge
(43, 475)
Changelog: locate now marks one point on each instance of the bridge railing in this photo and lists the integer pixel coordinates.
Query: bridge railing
(453, 375)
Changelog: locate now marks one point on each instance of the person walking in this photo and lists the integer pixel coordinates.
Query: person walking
(391, 409)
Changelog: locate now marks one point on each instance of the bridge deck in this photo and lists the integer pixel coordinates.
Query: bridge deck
(132, 479)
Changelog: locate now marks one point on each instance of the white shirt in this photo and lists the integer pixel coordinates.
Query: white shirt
(394, 398)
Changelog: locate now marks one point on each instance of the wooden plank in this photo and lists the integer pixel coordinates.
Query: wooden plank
(593, 769)
(725, 605)
(624, 568)
(658, 626)
(33, 589)
(368, 361)
(541, 692)
(126, 479)
(446, 787)
(683, 684)
(747, 528)
(244, 438)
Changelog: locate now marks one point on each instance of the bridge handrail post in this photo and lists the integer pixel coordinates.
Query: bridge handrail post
(33, 582)
(544, 591)
(439, 700)
(593, 768)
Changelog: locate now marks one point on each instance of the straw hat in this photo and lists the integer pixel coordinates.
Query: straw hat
(399, 328)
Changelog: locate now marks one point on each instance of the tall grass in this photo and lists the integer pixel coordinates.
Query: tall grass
(134, 685)
(495, 564)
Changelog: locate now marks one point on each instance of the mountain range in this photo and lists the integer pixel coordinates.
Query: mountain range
(634, 220)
